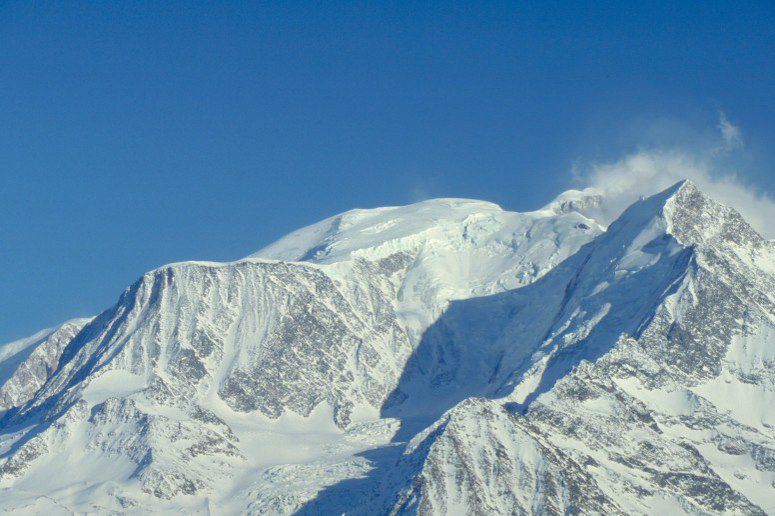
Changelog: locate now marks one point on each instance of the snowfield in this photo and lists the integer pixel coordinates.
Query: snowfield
(446, 357)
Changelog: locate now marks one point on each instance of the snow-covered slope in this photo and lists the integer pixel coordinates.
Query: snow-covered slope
(458, 248)
(441, 357)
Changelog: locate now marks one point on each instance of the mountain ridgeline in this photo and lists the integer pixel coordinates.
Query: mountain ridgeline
(446, 357)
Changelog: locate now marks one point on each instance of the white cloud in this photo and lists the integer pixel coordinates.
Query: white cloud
(706, 163)
(647, 172)
(731, 135)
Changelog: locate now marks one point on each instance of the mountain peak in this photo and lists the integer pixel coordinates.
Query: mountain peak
(691, 216)
(588, 202)
(683, 185)
(695, 218)
(388, 230)
(604, 206)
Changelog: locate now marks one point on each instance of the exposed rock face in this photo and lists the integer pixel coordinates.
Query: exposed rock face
(535, 363)
(481, 459)
(26, 365)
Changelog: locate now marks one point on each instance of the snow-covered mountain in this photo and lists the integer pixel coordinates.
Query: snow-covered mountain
(442, 357)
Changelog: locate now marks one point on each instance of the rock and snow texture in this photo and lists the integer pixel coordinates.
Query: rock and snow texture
(447, 357)
(26, 364)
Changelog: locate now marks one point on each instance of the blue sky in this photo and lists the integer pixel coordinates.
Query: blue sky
(136, 134)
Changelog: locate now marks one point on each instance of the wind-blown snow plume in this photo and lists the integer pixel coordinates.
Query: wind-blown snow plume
(649, 171)
(731, 134)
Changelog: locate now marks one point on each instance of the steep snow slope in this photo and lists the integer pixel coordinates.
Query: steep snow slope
(619, 370)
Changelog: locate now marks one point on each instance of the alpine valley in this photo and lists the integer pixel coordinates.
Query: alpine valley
(446, 357)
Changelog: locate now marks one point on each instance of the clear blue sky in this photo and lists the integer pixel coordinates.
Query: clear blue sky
(135, 134)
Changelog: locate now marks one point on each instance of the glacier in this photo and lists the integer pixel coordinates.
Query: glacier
(445, 357)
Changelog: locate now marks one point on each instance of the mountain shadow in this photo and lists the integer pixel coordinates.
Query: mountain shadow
(487, 346)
